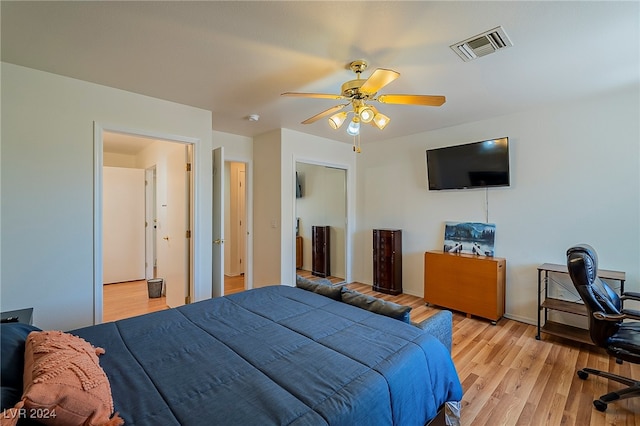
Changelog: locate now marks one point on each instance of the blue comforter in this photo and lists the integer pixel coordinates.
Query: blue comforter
(273, 356)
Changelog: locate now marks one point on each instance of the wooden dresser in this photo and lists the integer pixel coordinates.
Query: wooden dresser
(467, 283)
(387, 261)
(320, 255)
(298, 251)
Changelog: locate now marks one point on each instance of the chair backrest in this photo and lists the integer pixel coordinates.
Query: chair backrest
(582, 263)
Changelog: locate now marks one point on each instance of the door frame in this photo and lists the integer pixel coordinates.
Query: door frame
(248, 207)
(347, 214)
(98, 145)
(248, 199)
(238, 233)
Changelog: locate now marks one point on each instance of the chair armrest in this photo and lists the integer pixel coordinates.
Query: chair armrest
(440, 326)
(608, 317)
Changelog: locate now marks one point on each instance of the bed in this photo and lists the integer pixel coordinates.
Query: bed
(276, 355)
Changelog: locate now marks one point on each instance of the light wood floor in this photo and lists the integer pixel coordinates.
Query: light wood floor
(233, 284)
(509, 378)
(307, 274)
(124, 300)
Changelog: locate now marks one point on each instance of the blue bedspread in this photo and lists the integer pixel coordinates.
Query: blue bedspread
(273, 356)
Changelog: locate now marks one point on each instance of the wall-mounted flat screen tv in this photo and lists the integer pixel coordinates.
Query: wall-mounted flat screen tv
(298, 186)
(473, 165)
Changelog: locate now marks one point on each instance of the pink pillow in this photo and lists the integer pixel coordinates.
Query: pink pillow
(63, 383)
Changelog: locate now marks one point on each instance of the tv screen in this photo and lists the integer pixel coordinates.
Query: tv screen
(298, 187)
(473, 165)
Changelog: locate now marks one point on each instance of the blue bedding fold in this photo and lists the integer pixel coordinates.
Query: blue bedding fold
(273, 356)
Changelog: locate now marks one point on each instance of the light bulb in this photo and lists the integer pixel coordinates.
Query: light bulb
(366, 114)
(354, 127)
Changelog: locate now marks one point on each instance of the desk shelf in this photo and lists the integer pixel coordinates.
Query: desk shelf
(547, 303)
(561, 305)
(566, 331)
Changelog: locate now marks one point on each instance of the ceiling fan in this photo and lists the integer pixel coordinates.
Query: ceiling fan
(360, 93)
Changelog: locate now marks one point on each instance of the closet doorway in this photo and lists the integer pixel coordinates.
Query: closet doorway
(321, 200)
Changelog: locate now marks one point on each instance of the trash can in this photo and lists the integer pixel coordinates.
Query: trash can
(154, 286)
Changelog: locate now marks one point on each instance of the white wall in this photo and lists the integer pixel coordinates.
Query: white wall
(111, 159)
(236, 147)
(575, 177)
(48, 194)
(267, 212)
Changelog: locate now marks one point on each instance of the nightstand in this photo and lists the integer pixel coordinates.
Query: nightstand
(20, 315)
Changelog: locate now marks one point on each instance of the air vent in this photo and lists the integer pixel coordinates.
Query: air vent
(482, 44)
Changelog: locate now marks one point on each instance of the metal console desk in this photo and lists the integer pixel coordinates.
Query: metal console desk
(546, 303)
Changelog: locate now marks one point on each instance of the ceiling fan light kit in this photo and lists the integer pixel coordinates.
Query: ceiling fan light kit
(359, 92)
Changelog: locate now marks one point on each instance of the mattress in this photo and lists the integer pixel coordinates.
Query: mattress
(276, 355)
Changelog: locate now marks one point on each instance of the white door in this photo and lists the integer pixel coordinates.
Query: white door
(217, 261)
(150, 221)
(123, 224)
(173, 223)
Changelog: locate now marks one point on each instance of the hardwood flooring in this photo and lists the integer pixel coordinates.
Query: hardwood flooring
(307, 274)
(509, 378)
(128, 299)
(233, 284)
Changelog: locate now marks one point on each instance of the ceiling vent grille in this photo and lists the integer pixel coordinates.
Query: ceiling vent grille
(482, 44)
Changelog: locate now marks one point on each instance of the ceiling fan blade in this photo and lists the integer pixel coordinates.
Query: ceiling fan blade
(427, 100)
(376, 81)
(313, 95)
(324, 114)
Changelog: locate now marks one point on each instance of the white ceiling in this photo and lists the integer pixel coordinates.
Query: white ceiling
(235, 58)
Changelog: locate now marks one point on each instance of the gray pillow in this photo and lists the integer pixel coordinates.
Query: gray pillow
(324, 288)
(13, 336)
(378, 306)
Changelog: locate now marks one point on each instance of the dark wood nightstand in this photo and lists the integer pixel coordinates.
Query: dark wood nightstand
(20, 315)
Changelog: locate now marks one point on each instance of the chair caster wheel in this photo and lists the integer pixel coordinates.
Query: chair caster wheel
(583, 376)
(600, 406)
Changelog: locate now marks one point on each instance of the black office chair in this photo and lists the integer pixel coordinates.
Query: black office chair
(606, 316)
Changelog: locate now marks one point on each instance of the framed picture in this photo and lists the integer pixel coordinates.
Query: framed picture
(470, 237)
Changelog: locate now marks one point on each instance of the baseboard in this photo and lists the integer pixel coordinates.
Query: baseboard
(521, 319)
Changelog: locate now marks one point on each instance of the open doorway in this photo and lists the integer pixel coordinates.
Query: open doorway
(165, 192)
(235, 224)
